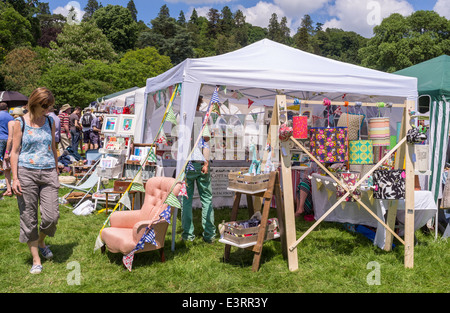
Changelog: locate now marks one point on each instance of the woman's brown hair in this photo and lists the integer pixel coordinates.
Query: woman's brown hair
(40, 97)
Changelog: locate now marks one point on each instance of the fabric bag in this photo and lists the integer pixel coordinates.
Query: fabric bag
(389, 184)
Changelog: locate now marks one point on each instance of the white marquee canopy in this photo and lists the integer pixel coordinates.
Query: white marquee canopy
(262, 68)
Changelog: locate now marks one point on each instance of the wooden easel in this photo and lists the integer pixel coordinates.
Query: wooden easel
(273, 189)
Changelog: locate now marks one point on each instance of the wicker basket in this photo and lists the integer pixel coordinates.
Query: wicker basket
(245, 182)
(74, 197)
(239, 235)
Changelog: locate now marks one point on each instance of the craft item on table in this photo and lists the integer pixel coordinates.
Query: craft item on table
(416, 135)
(270, 167)
(348, 179)
(361, 152)
(329, 144)
(255, 166)
(353, 122)
(300, 127)
(285, 132)
(389, 184)
(421, 153)
(379, 131)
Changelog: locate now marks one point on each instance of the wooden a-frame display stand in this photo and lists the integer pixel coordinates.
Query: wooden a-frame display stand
(273, 189)
(405, 153)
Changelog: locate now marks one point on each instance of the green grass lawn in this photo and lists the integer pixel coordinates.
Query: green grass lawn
(330, 260)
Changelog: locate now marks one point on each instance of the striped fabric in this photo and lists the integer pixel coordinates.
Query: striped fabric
(439, 130)
(64, 118)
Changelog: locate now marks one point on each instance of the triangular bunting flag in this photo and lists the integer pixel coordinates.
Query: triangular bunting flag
(98, 243)
(197, 155)
(127, 260)
(138, 185)
(183, 190)
(226, 103)
(166, 214)
(319, 185)
(239, 95)
(125, 200)
(250, 102)
(189, 166)
(162, 138)
(173, 201)
(330, 193)
(151, 156)
(215, 97)
(255, 116)
(171, 116)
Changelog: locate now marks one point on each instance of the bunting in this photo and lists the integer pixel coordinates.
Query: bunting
(151, 156)
(166, 214)
(171, 116)
(137, 184)
(190, 167)
(183, 190)
(250, 102)
(226, 103)
(125, 200)
(162, 139)
(173, 201)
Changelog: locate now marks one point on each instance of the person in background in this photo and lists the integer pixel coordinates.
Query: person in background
(5, 118)
(96, 128)
(200, 174)
(75, 129)
(86, 121)
(52, 114)
(65, 131)
(35, 175)
(16, 112)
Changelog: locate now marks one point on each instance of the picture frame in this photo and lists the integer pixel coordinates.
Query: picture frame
(110, 124)
(127, 124)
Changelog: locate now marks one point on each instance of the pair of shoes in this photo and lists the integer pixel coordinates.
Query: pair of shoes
(36, 269)
(46, 253)
(210, 241)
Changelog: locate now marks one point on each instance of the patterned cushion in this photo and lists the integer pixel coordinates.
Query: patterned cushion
(354, 124)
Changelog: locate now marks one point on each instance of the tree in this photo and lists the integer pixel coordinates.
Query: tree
(213, 23)
(168, 37)
(400, 42)
(225, 23)
(89, 9)
(240, 28)
(302, 39)
(285, 32)
(274, 32)
(117, 23)
(22, 70)
(15, 30)
(181, 19)
(132, 8)
(77, 43)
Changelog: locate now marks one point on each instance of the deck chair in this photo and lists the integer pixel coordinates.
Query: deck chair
(87, 186)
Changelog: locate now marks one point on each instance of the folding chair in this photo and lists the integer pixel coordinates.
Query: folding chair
(87, 186)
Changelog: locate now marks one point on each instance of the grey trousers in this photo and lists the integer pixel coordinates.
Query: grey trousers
(38, 187)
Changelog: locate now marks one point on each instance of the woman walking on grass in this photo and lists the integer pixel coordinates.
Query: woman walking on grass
(35, 175)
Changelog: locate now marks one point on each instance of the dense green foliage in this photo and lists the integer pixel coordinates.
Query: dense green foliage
(110, 50)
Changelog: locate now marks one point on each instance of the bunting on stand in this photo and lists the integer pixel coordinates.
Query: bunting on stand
(250, 102)
(138, 184)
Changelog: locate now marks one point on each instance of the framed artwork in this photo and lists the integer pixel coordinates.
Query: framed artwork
(126, 124)
(110, 124)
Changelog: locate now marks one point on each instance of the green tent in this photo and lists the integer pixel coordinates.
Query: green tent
(433, 79)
